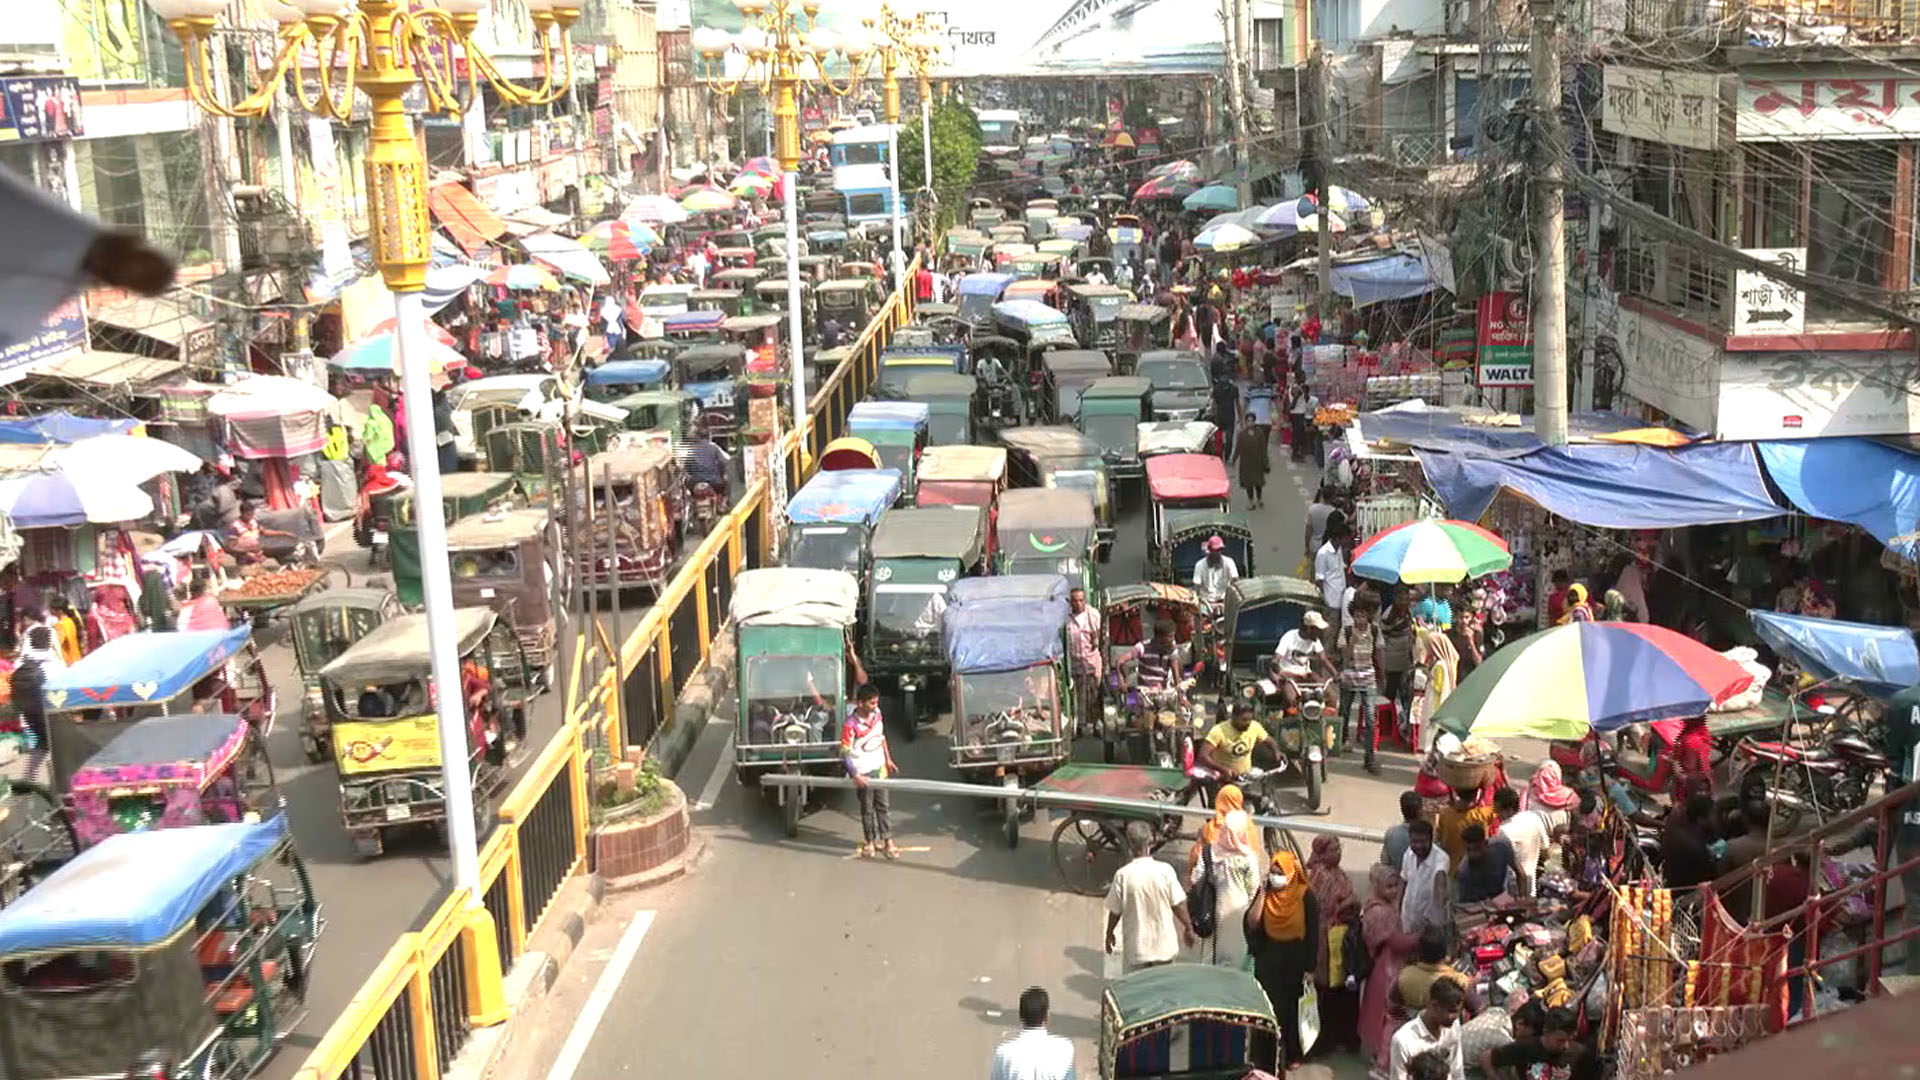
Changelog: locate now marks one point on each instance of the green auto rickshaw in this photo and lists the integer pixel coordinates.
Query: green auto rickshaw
(897, 432)
(1064, 375)
(1060, 457)
(671, 411)
(1141, 328)
(849, 301)
(462, 494)
(322, 627)
(1111, 411)
(1041, 531)
(533, 451)
(1260, 610)
(729, 302)
(917, 553)
(952, 402)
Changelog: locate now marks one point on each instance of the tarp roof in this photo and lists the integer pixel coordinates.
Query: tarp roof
(1399, 276)
(1856, 480)
(61, 427)
(470, 222)
(1612, 486)
(1880, 659)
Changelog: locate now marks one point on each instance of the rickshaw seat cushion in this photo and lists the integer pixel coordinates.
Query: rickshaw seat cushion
(238, 994)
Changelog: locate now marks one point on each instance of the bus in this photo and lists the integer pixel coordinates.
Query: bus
(1001, 131)
(860, 146)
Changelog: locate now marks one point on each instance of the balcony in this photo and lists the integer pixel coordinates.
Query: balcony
(1771, 22)
(1680, 277)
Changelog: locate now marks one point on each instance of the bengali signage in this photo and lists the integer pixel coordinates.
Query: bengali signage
(1504, 334)
(1800, 395)
(1807, 109)
(62, 335)
(1047, 37)
(1668, 368)
(1767, 305)
(1678, 108)
(35, 109)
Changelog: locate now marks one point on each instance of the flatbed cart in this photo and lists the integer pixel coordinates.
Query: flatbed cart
(1098, 801)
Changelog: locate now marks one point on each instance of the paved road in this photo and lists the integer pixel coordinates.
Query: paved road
(797, 957)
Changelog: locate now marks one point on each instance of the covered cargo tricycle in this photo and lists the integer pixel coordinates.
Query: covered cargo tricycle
(1260, 610)
(830, 520)
(503, 561)
(1060, 457)
(1052, 532)
(917, 553)
(897, 432)
(166, 772)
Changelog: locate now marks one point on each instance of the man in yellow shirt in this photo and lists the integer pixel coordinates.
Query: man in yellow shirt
(1228, 748)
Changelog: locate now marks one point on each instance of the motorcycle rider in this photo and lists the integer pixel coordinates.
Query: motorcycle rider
(1302, 655)
(1228, 750)
(706, 463)
(1214, 572)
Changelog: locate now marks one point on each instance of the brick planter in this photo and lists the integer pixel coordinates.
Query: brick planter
(636, 847)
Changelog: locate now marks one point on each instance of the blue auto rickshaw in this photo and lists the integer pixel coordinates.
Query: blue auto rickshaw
(897, 431)
(978, 294)
(616, 379)
(830, 520)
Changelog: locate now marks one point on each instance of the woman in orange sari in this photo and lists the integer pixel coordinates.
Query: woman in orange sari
(1390, 946)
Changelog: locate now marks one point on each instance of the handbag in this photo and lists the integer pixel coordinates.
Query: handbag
(1203, 900)
(1309, 1015)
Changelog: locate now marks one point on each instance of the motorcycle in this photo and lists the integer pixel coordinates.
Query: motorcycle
(1157, 724)
(704, 506)
(1829, 779)
(1303, 733)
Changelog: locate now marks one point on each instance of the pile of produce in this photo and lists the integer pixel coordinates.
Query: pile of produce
(288, 582)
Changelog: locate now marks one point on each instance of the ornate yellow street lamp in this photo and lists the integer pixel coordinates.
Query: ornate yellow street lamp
(781, 49)
(911, 42)
(382, 48)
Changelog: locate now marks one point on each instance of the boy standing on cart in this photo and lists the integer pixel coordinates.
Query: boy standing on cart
(863, 747)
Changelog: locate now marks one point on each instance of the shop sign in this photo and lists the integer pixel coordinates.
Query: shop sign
(1669, 369)
(503, 193)
(1766, 305)
(1505, 338)
(1802, 110)
(38, 109)
(557, 176)
(1678, 108)
(1798, 395)
(62, 335)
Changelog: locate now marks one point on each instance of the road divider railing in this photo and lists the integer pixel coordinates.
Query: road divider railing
(436, 985)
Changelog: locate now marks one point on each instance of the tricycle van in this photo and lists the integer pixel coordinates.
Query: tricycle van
(1060, 457)
(792, 632)
(831, 519)
(897, 432)
(1142, 328)
(1042, 531)
(187, 950)
(638, 515)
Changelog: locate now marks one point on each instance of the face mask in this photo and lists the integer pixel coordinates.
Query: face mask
(1277, 881)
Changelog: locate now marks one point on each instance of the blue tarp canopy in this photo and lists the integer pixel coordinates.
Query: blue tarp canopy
(165, 740)
(694, 320)
(1397, 277)
(1859, 481)
(61, 427)
(1881, 660)
(888, 415)
(1444, 429)
(1612, 486)
(1007, 634)
(845, 495)
(622, 372)
(142, 668)
(135, 889)
(985, 284)
(1030, 312)
(1021, 588)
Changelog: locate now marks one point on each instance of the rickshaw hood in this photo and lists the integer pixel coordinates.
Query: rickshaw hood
(142, 668)
(1187, 476)
(874, 415)
(934, 532)
(794, 596)
(193, 743)
(849, 495)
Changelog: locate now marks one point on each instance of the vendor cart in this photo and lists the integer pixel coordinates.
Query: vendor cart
(1089, 845)
(260, 596)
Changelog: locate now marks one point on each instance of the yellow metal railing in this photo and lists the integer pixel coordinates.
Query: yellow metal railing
(415, 1012)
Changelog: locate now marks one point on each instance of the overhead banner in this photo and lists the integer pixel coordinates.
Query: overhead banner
(1505, 334)
(1043, 37)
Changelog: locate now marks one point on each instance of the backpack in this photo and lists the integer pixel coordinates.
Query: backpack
(1203, 899)
(1356, 960)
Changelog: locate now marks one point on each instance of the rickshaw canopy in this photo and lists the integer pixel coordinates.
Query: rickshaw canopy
(1051, 442)
(627, 465)
(748, 324)
(1029, 289)
(1131, 389)
(1151, 1002)
(144, 668)
(319, 622)
(1248, 593)
(702, 360)
(1231, 525)
(979, 463)
(477, 532)
(1148, 592)
(1058, 246)
(931, 532)
(848, 452)
(187, 748)
(794, 596)
(1038, 510)
(1004, 635)
(1179, 477)
(1143, 313)
(645, 374)
(1069, 364)
(741, 277)
(693, 321)
(1176, 437)
(135, 889)
(398, 649)
(844, 496)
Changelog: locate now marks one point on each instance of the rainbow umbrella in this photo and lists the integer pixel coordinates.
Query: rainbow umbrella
(1589, 676)
(620, 240)
(1165, 187)
(707, 200)
(763, 165)
(379, 352)
(1431, 550)
(524, 276)
(752, 183)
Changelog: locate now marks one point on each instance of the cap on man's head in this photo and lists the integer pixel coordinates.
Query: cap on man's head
(1313, 620)
(1214, 543)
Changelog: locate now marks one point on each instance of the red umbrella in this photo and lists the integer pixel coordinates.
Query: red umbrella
(434, 330)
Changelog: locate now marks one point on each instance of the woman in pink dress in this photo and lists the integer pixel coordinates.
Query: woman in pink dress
(1390, 946)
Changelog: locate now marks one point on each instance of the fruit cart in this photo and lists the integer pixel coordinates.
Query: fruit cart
(258, 597)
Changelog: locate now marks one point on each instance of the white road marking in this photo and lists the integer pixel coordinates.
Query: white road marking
(608, 984)
(710, 791)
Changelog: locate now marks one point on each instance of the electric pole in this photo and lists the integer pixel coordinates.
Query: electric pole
(1323, 180)
(1547, 203)
(1233, 14)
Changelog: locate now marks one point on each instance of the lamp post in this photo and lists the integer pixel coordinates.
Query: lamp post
(384, 48)
(784, 49)
(900, 40)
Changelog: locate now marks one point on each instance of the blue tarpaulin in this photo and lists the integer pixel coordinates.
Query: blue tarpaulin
(985, 284)
(143, 668)
(1006, 634)
(888, 415)
(135, 889)
(1396, 277)
(1881, 660)
(1020, 588)
(61, 427)
(1859, 481)
(845, 495)
(1612, 486)
(1027, 313)
(622, 372)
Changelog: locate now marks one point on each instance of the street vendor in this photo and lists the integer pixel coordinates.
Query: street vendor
(243, 537)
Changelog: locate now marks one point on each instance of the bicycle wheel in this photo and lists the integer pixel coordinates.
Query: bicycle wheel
(1087, 852)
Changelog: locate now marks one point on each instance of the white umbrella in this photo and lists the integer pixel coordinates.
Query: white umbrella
(46, 499)
(655, 210)
(567, 255)
(268, 395)
(1225, 236)
(133, 458)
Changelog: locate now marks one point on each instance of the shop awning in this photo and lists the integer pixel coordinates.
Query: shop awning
(1880, 659)
(160, 318)
(1612, 486)
(1856, 480)
(102, 367)
(61, 427)
(1400, 276)
(539, 217)
(471, 223)
(568, 256)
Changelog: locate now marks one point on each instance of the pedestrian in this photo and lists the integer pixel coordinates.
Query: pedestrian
(1339, 916)
(1229, 853)
(1424, 874)
(1250, 454)
(1686, 842)
(1429, 1065)
(1435, 1030)
(66, 629)
(1412, 809)
(28, 690)
(1035, 1053)
(1463, 808)
(1429, 969)
(863, 749)
(1283, 925)
(1389, 945)
(1360, 647)
(1089, 663)
(1397, 653)
(1527, 834)
(1147, 918)
(1482, 873)
(1226, 405)
(1330, 571)
(443, 432)
(1297, 416)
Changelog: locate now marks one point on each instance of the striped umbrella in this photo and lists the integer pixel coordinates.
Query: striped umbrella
(1180, 168)
(1589, 676)
(1429, 550)
(707, 200)
(524, 276)
(620, 240)
(752, 183)
(379, 352)
(1165, 187)
(763, 165)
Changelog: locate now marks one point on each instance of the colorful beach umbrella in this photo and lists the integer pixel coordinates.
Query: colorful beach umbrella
(1226, 236)
(763, 165)
(1589, 676)
(380, 353)
(1164, 187)
(524, 276)
(621, 241)
(655, 210)
(707, 200)
(1429, 550)
(753, 183)
(1212, 197)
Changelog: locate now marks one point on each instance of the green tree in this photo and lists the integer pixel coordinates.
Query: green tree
(956, 154)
